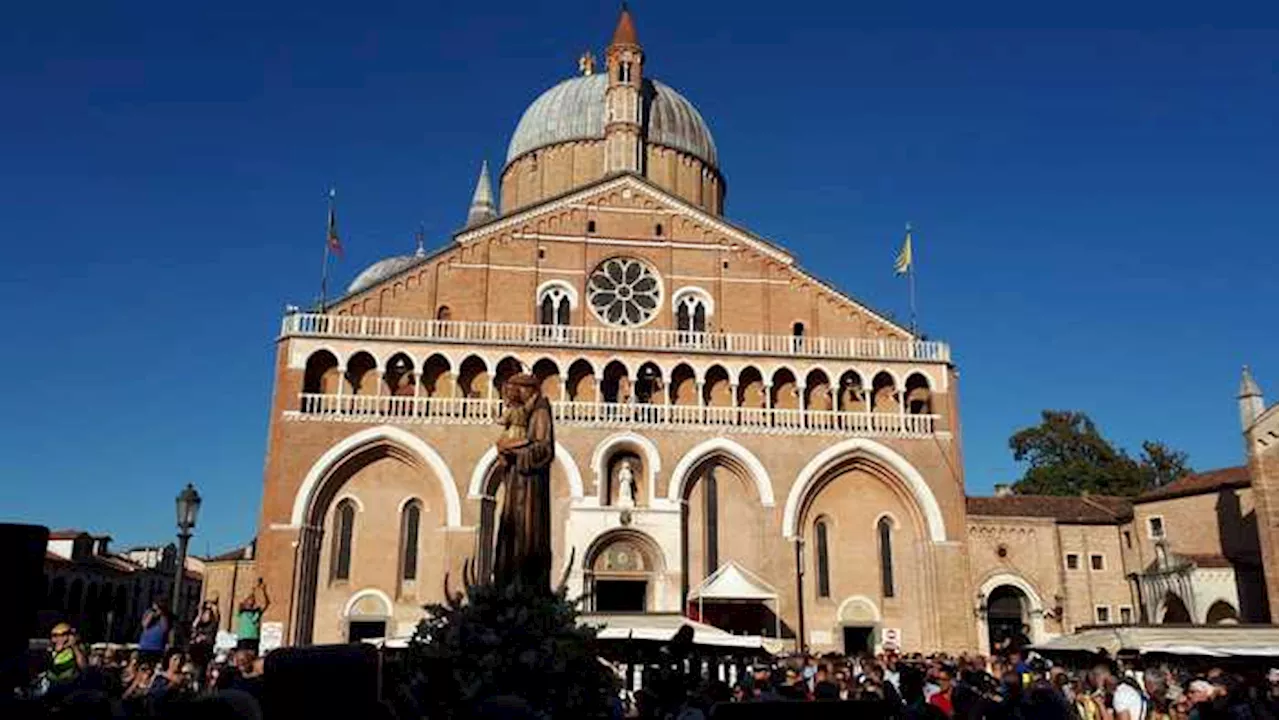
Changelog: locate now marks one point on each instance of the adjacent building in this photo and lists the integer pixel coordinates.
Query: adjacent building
(104, 594)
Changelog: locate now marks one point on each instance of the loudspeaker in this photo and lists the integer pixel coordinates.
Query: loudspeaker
(320, 681)
(22, 565)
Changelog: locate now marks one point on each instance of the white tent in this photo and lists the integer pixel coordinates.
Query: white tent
(662, 627)
(1204, 640)
(733, 583)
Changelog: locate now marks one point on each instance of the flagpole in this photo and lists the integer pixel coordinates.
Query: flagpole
(324, 267)
(911, 283)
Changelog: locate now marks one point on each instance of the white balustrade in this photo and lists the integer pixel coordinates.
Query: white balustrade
(454, 331)
(483, 411)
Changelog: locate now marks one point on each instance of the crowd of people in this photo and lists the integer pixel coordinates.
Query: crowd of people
(1015, 684)
(162, 674)
(169, 674)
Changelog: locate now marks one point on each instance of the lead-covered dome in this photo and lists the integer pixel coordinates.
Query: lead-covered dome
(382, 270)
(574, 110)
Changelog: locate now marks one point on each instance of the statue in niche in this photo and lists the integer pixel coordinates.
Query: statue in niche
(626, 485)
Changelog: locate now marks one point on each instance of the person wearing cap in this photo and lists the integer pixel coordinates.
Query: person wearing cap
(66, 657)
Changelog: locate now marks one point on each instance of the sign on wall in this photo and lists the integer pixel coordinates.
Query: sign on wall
(819, 637)
(891, 638)
(271, 637)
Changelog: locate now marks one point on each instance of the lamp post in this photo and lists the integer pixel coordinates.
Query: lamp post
(188, 506)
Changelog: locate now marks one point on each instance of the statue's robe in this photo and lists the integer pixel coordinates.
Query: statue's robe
(523, 554)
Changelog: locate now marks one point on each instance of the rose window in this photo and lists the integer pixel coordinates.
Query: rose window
(624, 291)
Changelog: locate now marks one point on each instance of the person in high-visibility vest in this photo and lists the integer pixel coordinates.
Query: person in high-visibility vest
(66, 657)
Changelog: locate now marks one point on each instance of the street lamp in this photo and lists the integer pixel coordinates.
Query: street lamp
(188, 506)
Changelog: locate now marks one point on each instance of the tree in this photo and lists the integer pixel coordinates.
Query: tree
(1066, 455)
(1162, 465)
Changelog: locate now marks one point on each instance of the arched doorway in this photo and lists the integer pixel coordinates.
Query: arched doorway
(1007, 613)
(622, 571)
(1222, 613)
(1175, 611)
(367, 614)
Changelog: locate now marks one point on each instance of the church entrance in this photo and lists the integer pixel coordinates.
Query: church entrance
(358, 630)
(857, 640)
(620, 595)
(622, 569)
(1006, 614)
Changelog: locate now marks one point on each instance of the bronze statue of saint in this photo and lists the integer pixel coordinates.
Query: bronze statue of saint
(523, 554)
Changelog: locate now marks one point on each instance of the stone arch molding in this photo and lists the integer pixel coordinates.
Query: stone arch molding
(1017, 581)
(359, 595)
(475, 490)
(857, 601)
(345, 448)
(652, 458)
(754, 467)
(861, 446)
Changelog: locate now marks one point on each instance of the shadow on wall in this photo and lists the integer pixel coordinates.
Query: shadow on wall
(1238, 538)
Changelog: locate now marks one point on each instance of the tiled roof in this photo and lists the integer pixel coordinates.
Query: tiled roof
(1196, 483)
(244, 552)
(66, 534)
(1102, 509)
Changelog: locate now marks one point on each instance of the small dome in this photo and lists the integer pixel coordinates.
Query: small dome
(574, 110)
(382, 270)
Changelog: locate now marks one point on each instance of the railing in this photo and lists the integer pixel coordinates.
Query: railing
(453, 331)
(481, 411)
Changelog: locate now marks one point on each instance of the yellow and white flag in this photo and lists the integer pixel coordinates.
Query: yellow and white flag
(902, 265)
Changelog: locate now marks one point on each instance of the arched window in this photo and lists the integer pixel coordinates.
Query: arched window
(444, 313)
(824, 565)
(657, 229)
(884, 528)
(344, 525)
(411, 518)
(797, 329)
(555, 300)
(692, 306)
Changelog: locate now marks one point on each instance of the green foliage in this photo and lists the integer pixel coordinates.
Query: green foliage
(1066, 455)
(503, 642)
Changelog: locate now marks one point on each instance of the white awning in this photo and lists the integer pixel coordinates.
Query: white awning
(1205, 640)
(661, 627)
(732, 582)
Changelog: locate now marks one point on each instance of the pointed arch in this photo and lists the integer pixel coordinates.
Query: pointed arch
(363, 440)
(475, 489)
(813, 472)
(721, 445)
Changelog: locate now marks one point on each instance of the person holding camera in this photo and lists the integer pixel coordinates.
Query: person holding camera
(249, 618)
(204, 634)
(66, 657)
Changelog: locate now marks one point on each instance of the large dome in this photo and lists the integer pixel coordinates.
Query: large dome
(574, 110)
(382, 270)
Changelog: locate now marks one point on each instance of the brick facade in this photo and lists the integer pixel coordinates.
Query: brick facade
(789, 404)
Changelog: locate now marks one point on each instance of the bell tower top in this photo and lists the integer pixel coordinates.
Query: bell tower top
(625, 32)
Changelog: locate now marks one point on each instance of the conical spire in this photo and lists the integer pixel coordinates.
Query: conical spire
(1249, 399)
(483, 208)
(1248, 386)
(625, 32)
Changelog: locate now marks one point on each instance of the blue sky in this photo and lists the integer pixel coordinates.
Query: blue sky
(1093, 187)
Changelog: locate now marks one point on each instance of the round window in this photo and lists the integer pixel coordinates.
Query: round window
(624, 291)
